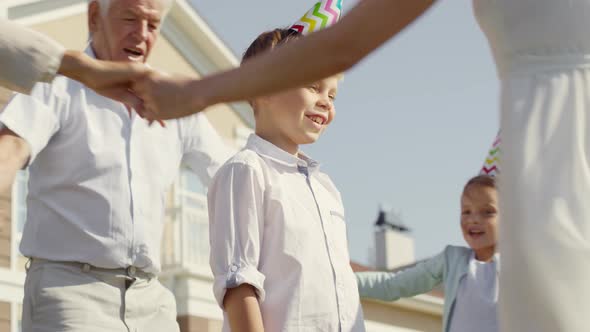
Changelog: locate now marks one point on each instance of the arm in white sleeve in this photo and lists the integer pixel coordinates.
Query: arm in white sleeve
(236, 226)
(35, 118)
(26, 57)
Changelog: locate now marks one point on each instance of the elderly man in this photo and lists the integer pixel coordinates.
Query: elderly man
(97, 182)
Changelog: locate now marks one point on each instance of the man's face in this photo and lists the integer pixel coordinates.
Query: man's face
(128, 30)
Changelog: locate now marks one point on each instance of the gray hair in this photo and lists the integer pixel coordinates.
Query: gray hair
(106, 4)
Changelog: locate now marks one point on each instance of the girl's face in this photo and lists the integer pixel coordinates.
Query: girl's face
(479, 219)
(296, 116)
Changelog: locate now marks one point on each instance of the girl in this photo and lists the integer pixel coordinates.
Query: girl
(469, 275)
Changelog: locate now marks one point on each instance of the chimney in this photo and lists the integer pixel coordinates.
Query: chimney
(394, 246)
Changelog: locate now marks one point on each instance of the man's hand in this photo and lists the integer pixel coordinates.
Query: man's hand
(110, 79)
(167, 97)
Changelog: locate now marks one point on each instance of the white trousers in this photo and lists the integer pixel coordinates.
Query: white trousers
(70, 297)
(545, 201)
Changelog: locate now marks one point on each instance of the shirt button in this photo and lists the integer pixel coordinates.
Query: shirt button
(234, 268)
(131, 271)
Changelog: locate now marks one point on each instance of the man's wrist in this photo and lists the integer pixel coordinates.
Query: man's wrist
(73, 65)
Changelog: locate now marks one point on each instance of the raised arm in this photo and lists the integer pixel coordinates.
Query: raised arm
(28, 57)
(369, 25)
(388, 286)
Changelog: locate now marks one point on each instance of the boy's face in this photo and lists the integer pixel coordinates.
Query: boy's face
(297, 116)
(479, 217)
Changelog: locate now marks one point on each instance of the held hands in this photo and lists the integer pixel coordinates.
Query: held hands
(110, 79)
(152, 94)
(167, 97)
(113, 80)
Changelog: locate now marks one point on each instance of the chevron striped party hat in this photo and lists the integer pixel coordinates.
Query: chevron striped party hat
(322, 15)
(491, 166)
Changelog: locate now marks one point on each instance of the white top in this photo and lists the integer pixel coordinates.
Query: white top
(26, 57)
(477, 298)
(277, 223)
(535, 35)
(542, 48)
(97, 179)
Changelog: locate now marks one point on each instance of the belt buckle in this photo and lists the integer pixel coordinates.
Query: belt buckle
(131, 270)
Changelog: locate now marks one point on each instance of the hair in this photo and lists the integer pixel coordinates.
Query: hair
(482, 181)
(268, 40)
(106, 4)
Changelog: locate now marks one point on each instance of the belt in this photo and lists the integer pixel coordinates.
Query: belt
(130, 271)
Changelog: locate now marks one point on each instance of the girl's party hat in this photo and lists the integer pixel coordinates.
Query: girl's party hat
(491, 166)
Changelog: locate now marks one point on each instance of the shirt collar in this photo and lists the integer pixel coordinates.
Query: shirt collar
(89, 51)
(495, 258)
(280, 156)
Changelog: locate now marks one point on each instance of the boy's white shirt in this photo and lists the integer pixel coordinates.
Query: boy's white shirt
(265, 230)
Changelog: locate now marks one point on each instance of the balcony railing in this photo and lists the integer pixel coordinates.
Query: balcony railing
(186, 234)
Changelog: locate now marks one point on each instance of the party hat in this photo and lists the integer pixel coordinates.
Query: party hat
(491, 166)
(322, 15)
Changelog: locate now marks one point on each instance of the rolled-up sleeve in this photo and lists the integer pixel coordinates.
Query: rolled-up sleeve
(236, 227)
(27, 57)
(204, 151)
(34, 118)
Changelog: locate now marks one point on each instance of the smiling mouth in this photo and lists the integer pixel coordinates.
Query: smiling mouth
(317, 119)
(476, 233)
(133, 52)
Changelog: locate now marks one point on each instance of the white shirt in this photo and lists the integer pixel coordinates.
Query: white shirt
(277, 223)
(97, 179)
(477, 298)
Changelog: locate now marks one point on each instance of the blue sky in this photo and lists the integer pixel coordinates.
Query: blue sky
(414, 120)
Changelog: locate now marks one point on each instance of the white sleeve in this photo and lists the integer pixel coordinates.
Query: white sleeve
(27, 57)
(204, 150)
(34, 118)
(235, 229)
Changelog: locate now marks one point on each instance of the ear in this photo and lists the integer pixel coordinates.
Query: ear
(93, 17)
